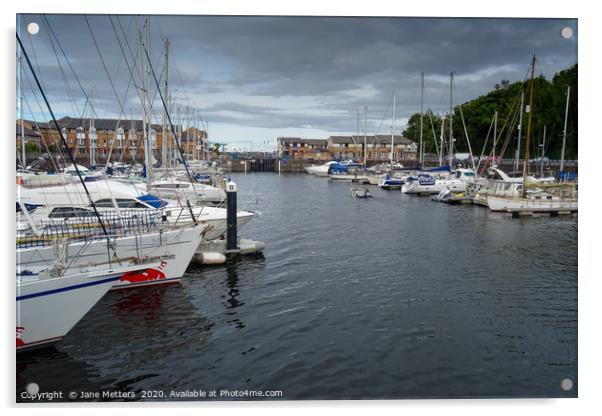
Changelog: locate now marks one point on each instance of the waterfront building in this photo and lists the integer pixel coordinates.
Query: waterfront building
(303, 149)
(347, 147)
(378, 147)
(100, 135)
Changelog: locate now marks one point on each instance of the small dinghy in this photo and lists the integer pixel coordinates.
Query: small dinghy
(360, 193)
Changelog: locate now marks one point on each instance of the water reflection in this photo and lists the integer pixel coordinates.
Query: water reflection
(54, 370)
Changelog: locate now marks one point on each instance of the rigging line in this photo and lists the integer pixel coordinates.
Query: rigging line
(514, 111)
(66, 58)
(496, 139)
(56, 124)
(35, 58)
(120, 102)
(134, 60)
(430, 113)
(67, 87)
(464, 126)
(515, 114)
(484, 147)
(131, 70)
(173, 131)
(104, 65)
(127, 90)
(42, 113)
(41, 135)
(385, 114)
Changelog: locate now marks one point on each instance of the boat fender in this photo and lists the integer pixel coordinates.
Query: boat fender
(210, 258)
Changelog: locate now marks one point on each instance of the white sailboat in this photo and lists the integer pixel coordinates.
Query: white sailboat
(532, 196)
(552, 198)
(50, 304)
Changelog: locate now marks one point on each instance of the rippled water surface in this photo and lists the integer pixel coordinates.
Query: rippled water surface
(391, 297)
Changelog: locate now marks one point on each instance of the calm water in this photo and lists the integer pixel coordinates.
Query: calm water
(392, 297)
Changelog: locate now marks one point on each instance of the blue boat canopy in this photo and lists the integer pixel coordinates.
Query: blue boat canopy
(152, 200)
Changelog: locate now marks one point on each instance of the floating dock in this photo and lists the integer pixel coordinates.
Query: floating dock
(216, 252)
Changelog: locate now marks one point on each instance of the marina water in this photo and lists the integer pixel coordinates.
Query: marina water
(390, 297)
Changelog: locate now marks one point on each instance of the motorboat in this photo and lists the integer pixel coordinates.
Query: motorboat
(346, 171)
(422, 184)
(197, 193)
(319, 170)
(391, 181)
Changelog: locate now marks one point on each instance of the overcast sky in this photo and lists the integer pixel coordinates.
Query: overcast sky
(257, 78)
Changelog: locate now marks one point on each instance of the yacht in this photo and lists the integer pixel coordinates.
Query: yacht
(546, 198)
(319, 170)
(422, 184)
(60, 204)
(52, 301)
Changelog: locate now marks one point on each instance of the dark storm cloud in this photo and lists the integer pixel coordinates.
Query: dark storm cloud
(238, 70)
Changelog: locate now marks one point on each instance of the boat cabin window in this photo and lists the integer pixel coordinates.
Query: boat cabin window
(121, 203)
(70, 212)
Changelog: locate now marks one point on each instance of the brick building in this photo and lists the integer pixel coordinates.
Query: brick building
(378, 148)
(123, 136)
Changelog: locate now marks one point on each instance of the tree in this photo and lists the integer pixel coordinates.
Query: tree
(548, 111)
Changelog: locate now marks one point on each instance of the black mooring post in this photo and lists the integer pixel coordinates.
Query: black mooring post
(231, 237)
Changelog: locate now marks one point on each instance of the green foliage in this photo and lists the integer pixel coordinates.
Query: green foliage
(32, 147)
(549, 100)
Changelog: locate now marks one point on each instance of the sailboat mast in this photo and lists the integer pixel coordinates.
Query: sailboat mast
(528, 138)
(494, 163)
(21, 127)
(441, 138)
(164, 140)
(393, 130)
(543, 149)
(451, 118)
(520, 126)
(365, 135)
(421, 116)
(566, 118)
(92, 137)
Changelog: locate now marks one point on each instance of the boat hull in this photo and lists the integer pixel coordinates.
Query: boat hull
(174, 247)
(417, 189)
(48, 309)
(531, 205)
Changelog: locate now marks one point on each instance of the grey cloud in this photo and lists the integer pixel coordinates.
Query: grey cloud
(292, 58)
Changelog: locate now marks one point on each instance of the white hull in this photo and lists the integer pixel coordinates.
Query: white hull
(215, 218)
(175, 247)
(73, 195)
(373, 179)
(48, 308)
(201, 192)
(31, 180)
(454, 185)
(531, 204)
(414, 188)
(319, 170)
(345, 177)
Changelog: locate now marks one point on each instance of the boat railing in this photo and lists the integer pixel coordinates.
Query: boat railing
(117, 224)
